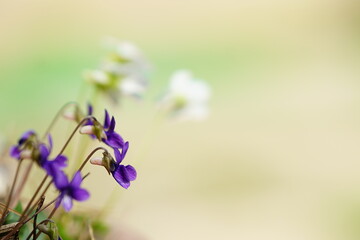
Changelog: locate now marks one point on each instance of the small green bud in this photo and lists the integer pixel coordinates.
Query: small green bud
(108, 162)
(98, 131)
(50, 229)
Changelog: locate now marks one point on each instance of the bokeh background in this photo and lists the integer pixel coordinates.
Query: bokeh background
(279, 156)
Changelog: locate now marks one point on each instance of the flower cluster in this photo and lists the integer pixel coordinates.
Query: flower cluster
(123, 72)
(107, 134)
(29, 146)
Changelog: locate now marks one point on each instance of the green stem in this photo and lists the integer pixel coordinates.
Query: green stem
(49, 217)
(36, 226)
(41, 202)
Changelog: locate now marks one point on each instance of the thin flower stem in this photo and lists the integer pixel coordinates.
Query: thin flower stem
(150, 135)
(11, 192)
(10, 210)
(89, 156)
(22, 223)
(49, 217)
(61, 110)
(41, 202)
(37, 226)
(42, 209)
(37, 202)
(34, 196)
(22, 183)
(23, 215)
(73, 133)
(85, 176)
(28, 169)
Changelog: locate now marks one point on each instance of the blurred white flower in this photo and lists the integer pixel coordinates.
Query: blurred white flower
(123, 72)
(187, 98)
(128, 51)
(97, 77)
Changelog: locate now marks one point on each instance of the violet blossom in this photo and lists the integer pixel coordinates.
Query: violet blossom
(121, 173)
(29, 147)
(70, 191)
(26, 147)
(52, 166)
(105, 133)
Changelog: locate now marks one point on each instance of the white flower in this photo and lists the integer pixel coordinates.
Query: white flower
(187, 97)
(123, 72)
(132, 86)
(129, 51)
(97, 77)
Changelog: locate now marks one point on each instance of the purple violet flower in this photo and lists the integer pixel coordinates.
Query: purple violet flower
(29, 147)
(113, 139)
(70, 190)
(121, 173)
(24, 147)
(89, 113)
(105, 133)
(52, 167)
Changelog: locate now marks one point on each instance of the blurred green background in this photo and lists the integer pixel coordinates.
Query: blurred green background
(279, 156)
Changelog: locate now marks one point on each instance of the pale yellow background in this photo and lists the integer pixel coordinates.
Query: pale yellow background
(279, 156)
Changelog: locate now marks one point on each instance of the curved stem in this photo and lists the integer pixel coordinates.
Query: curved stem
(39, 211)
(89, 156)
(33, 197)
(73, 133)
(22, 183)
(28, 170)
(10, 194)
(24, 215)
(49, 217)
(42, 195)
(20, 224)
(40, 203)
(35, 227)
(61, 110)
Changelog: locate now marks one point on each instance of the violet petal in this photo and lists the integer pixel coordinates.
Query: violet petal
(80, 194)
(76, 181)
(131, 172)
